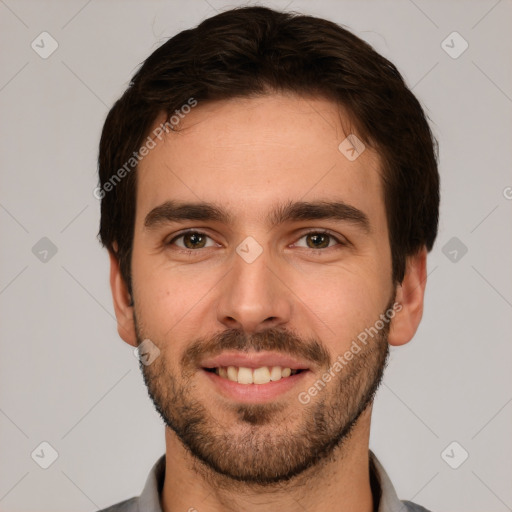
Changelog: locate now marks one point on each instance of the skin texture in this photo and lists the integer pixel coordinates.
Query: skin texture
(246, 156)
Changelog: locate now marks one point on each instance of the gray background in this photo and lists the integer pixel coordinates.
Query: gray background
(66, 377)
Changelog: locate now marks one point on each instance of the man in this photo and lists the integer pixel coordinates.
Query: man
(269, 192)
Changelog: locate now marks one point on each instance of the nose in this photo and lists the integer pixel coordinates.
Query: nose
(252, 297)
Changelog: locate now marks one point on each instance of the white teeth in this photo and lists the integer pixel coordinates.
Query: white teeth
(262, 375)
(275, 374)
(232, 373)
(244, 375)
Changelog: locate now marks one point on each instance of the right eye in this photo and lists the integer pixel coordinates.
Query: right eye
(191, 240)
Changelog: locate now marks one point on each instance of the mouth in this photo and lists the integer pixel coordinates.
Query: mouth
(246, 376)
(254, 377)
(254, 385)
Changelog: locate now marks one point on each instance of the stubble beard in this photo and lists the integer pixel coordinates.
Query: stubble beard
(266, 444)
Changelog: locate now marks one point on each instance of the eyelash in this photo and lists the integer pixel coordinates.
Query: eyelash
(316, 252)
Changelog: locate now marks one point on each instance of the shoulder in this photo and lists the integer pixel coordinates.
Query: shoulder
(130, 505)
(413, 507)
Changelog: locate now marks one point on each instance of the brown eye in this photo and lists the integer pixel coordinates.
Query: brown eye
(319, 240)
(191, 240)
(194, 240)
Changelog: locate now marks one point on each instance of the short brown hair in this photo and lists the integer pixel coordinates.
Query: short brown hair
(250, 51)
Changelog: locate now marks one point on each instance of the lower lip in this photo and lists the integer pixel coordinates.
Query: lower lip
(254, 393)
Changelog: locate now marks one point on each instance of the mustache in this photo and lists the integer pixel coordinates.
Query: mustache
(275, 340)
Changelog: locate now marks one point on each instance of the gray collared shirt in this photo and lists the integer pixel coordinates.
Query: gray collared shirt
(149, 500)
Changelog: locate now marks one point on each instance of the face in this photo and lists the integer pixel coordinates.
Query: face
(259, 245)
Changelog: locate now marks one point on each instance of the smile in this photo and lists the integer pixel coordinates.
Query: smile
(262, 375)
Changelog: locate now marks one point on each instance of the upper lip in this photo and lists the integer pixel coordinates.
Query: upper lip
(254, 360)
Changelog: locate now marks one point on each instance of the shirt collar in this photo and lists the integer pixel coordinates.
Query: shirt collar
(389, 501)
(149, 500)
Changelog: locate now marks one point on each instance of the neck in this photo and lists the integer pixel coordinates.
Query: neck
(339, 482)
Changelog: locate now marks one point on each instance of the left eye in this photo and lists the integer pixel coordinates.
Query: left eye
(319, 240)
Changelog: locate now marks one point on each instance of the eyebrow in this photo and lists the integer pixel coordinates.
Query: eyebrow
(174, 211)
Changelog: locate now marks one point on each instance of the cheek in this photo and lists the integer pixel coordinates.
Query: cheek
(161, 301)
(340, 304)
(170, 300)
(157, 298)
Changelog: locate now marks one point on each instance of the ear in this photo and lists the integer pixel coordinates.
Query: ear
(122, 300)
(410, 294)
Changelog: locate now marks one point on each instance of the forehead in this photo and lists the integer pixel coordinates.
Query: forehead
(249, 154)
